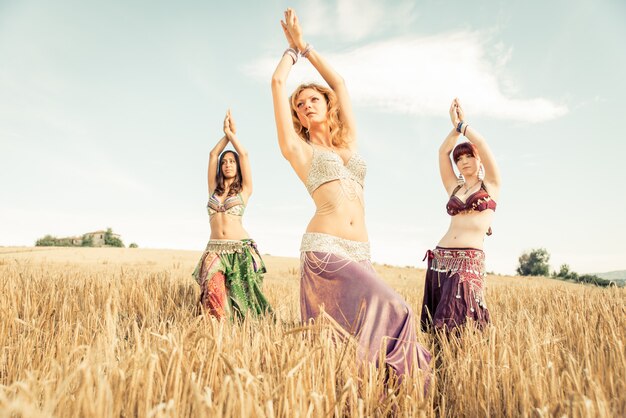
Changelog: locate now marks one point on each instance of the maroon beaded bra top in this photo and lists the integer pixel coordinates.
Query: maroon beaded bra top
(478, 201)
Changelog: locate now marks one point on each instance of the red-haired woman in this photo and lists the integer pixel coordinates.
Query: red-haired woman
(230, 271)
(317, 135)
(455, 278)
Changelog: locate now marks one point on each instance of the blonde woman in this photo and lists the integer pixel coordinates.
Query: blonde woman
(317, 135)
(455, 277)
(230, 271)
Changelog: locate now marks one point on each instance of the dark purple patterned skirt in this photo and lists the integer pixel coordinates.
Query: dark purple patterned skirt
(454, 289)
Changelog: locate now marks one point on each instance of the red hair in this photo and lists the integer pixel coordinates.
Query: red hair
(464, 148)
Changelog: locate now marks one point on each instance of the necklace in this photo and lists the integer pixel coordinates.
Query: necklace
(467, 189)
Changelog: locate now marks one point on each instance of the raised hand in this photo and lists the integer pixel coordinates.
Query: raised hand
(454, 114)
(287, 35)
(459, 109)
(230, 128)
(457, 114)
(293, 28)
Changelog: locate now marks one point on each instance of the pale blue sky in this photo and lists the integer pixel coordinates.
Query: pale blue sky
(108, 111)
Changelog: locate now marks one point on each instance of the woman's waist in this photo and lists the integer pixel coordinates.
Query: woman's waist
(463, 239)
(228, 231)
(469, 228)
(345, 227)
(342, 215)
(328, 243)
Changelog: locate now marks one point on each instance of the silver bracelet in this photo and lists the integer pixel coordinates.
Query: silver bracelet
(306, 51)
(292, 53)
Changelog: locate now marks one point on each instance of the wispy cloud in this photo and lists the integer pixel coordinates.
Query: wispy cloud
(420, 75)
(352, 20)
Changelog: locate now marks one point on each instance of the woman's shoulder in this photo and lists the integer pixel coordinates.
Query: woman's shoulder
(492, 188)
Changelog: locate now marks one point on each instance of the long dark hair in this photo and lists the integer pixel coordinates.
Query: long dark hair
(235, 186)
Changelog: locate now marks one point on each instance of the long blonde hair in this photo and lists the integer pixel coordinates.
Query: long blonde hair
(338, 134)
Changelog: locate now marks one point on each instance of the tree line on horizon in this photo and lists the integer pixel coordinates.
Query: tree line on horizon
(110, 240)
(535, 263)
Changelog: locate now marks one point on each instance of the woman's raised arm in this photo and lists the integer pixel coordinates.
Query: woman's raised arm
(213, 157)
(291, 145)
(334, 80)
(492, 172)
(445, 164)
(230, 129)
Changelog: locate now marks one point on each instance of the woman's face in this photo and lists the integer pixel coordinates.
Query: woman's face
(468, 165)
(311, 107)
(229, 165)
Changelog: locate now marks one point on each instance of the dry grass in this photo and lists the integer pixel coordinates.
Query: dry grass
(115, 332)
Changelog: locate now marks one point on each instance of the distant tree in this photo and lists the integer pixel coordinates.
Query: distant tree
(47, 241)
(593, 279)
(564, 272)
(87, 240)
(109, 239)
(133, 245)
(108, 235)
(534, 263)
(115, 242)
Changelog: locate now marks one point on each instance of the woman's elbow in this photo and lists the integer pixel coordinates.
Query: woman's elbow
(445, 151)
(338, 83)
(277, 82)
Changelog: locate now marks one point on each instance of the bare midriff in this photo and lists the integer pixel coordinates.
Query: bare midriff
(339, 212)
(225, 226)
(467, 230)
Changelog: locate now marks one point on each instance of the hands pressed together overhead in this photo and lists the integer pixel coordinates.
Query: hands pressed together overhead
(293, 30)
(230, 129)
(457, 114)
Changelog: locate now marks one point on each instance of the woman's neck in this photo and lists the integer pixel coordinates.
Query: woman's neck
(471, 180)
(227, 184)
(320, 134)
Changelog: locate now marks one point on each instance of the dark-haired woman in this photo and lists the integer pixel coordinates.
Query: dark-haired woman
(455, 278)
(230, 271)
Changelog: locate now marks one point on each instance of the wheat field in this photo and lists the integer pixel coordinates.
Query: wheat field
(89, 332)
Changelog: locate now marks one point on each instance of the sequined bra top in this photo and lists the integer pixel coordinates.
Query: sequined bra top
(328, 166)
(477, 201)
(233, 205)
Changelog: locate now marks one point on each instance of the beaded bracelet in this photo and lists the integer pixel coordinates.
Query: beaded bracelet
(306, 51)
(292, 53)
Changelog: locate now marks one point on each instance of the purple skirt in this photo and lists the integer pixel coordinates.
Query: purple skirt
(454, 289)
(338, 278)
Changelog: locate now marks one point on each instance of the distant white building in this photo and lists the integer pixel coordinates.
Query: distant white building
(98, 237)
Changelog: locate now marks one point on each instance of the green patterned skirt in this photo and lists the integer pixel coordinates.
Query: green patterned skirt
(230, 275)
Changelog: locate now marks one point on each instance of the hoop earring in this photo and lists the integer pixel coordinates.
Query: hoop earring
(481, 172)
